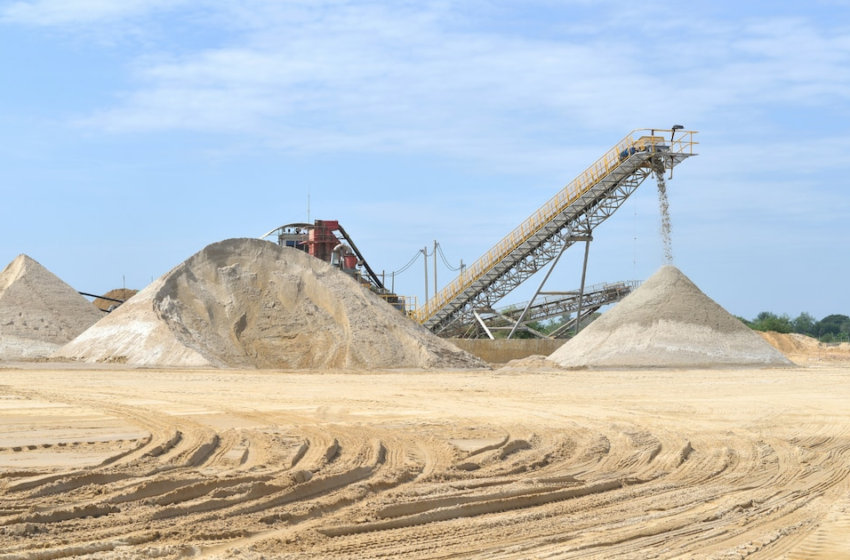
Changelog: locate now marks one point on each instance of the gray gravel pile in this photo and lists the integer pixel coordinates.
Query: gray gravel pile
(667, 322)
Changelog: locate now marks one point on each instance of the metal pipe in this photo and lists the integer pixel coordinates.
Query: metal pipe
(340, 251)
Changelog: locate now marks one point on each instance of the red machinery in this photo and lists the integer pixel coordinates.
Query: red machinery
(320, 240)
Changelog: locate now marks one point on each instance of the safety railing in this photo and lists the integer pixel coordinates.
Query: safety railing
(557, 204)
(406, 304)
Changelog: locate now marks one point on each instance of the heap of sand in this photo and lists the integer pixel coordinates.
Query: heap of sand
(534, 361)
(38, 311)
(246, 303)
(801, 348)
(792, 343)
(122, 294)
(667, 322)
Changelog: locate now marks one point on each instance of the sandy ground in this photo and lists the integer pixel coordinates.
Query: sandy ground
(115, 462)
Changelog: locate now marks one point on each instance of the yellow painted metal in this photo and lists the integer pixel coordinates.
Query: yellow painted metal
(408, 304)
(637, 139)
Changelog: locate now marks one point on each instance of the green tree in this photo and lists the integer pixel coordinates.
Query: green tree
(805, 324)
(835, 325)
(767, 321)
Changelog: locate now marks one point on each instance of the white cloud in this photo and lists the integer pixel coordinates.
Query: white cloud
(377, 79)
(440, 77)
(66, 12)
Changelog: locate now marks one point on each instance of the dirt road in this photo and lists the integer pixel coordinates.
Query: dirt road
(115, 462)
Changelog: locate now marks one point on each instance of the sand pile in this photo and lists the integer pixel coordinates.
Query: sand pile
(38, 311)
(792, 343)
(535, 361)
(250, 303)
(801, 348)
(667, 322)
(118, 293)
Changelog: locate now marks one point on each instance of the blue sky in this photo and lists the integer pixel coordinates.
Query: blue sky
(134, 133)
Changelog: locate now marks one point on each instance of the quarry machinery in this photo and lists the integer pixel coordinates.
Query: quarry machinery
(327, 240)
(551, 305)
(568, 218)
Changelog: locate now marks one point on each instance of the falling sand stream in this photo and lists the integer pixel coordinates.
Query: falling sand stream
(664, 207)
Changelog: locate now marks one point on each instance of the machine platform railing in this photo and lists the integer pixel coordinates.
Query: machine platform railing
(636, 141)
(406, 304)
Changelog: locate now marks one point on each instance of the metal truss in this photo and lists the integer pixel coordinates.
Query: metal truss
(528, 249)
(545, 308)
(593, 208)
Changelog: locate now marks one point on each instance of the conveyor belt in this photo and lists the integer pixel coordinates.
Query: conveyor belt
(576, 210)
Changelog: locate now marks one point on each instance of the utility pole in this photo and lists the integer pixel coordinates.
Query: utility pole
(425, 260)
(435, 267)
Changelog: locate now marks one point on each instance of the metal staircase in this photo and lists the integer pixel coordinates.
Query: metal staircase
(570, 216)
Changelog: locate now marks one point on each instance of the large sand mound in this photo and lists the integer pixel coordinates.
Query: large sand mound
(250, 303)
(38, 311)
(667, 322)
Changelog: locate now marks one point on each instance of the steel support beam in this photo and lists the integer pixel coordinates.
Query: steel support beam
(481, 322)
(581, 290)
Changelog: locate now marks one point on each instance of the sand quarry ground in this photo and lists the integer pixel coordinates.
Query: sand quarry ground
(109, 461)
